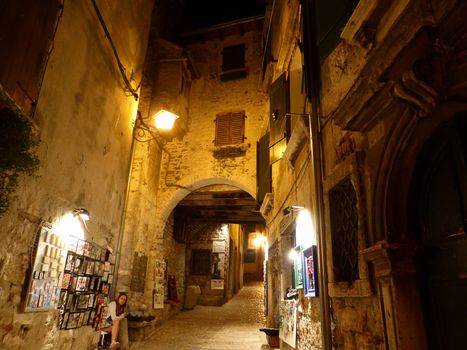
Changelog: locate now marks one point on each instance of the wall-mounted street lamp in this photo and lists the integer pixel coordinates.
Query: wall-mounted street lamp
(83, 213)
(163, 122)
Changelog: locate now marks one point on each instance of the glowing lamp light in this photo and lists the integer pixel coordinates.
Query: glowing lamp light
(259, 240)
(293, 254)
(165, 120)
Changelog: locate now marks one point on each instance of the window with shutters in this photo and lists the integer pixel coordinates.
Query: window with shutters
(230, 128)
(27, 28)
(233, 63)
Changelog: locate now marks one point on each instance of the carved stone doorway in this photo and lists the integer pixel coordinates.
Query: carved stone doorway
(438, 216)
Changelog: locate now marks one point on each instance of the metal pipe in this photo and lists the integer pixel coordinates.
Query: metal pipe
(313, 75)
(124, 210)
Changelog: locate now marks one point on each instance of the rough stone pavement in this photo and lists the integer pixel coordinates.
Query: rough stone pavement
(233, 326)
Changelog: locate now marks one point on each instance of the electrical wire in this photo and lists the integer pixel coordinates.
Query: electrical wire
(121, 68)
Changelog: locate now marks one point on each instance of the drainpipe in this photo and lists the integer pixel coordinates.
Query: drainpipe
(124, 210)
(313, 81)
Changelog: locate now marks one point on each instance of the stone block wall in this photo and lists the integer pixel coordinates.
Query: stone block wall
(84, 121)
(192, 162)
(203, 236)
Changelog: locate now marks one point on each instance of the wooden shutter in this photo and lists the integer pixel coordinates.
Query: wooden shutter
(263, 168)
(26, 28)
(230, 128)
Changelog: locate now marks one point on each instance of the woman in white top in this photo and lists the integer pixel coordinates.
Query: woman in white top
(115, 313)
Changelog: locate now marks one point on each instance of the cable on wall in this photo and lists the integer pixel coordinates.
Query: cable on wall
(121, 68)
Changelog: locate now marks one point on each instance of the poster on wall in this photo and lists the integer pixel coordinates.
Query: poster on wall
(217, 267)
(159, 284)
(288, 322)
(218, 246)
(217, 284)
(310, 281)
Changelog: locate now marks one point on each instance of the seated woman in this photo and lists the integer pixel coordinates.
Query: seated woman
(115, 313)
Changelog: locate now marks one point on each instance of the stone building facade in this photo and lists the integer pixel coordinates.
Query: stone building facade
(60, 77)
(379, 188)
(391, 86)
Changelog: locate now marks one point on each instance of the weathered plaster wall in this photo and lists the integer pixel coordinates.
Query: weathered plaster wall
(84, 120)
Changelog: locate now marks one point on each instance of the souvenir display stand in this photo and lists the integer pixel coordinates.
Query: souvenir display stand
(47, 271)
(88, 274)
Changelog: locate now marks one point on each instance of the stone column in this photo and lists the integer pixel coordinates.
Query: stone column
(398, 291)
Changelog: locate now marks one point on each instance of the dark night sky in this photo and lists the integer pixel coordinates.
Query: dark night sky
(204, 13)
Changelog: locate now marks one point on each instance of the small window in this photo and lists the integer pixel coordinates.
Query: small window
(233, 62)
(230, 128)
(344, 226)
(201, 262)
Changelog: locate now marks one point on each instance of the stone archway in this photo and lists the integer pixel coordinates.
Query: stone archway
(438, 220)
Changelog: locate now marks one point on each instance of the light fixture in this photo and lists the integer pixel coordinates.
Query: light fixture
(291, 208)
(164, 120)
(83, 213)
(259, 240)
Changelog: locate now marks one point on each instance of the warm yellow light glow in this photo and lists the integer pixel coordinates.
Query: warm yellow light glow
(293, 254)
(67, 226)
(305, 230)
(165, 120)
(259, 240)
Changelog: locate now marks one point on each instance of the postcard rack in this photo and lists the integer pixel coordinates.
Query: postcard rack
(88, 274)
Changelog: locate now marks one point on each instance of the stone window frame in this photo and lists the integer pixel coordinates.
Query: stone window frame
(349, 167)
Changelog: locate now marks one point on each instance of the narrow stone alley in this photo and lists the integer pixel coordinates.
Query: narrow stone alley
(233, 326)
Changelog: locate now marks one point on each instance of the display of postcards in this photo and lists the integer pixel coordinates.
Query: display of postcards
(107, 266)
(92, 316)
(81, 283)
(66, 280)
(70, 302)
(62, 299)
(72, 285)
(78, 265)
(85, 319)
(103, 254)
(70, 261)
(80, 247)
(73, 320)
(105, 276)
(105, 288)
(94, 283)
(87, 249)
(101, 298)
(110, 279)
(33, 299)
(63, 319)
(72, 243)
(101, 269)
(91, 299)
(82, 302)
(90, 267)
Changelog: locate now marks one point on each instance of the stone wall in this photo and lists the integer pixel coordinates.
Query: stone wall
(204, 236)
(84, 121)
(191, 162)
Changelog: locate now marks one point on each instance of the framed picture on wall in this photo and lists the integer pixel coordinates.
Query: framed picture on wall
(298, 268)
(310, 281)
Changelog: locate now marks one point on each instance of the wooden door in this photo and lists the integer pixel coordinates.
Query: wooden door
(441, 220)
